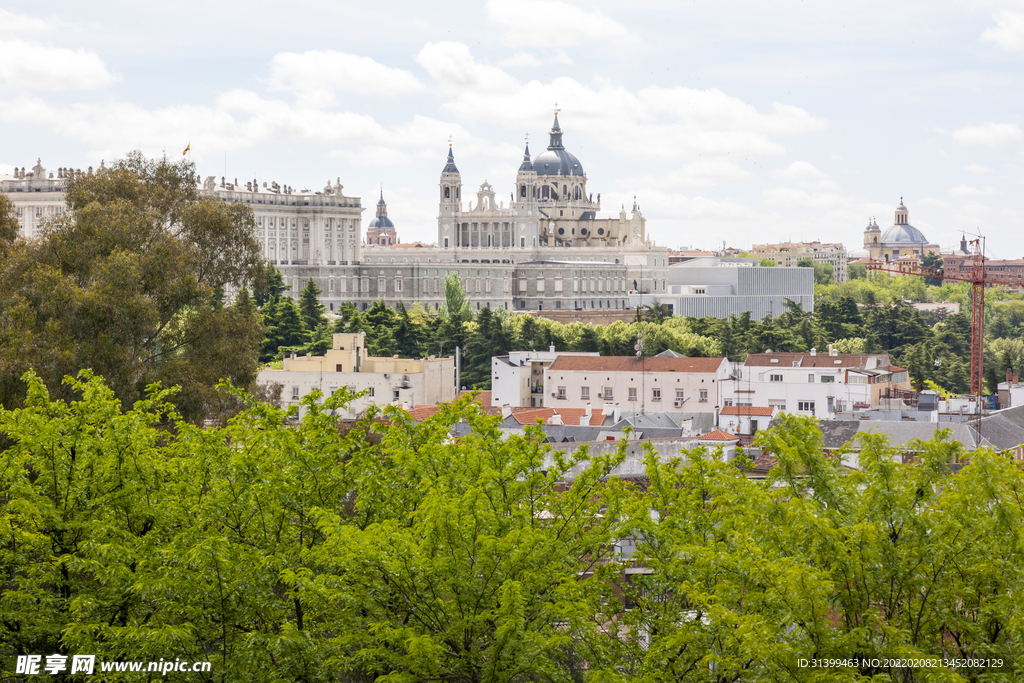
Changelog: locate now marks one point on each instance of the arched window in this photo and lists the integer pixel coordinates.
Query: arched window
(522, 190)
(447, 191)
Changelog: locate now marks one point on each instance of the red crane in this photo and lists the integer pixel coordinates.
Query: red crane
(978, 277)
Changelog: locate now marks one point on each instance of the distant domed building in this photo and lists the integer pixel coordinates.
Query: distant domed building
(900, 240)
(381, 231)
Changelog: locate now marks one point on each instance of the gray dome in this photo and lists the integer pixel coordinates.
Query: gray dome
(380, 222)
(905, 233)
(555, 160)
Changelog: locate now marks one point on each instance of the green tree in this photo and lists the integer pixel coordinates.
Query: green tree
(857, 271)
(269, 285)
(310, 307)
(8, 224)
(822, 271)
(284, 327)
(932, 261)
(125, 282)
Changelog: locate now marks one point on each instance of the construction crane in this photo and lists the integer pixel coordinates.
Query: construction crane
(978, 277)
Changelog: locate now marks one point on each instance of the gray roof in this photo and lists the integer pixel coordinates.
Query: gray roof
(380, 222)
(450, 166)
(835, 433)
(905, 233)
(526, 165)
(1004, 428)
(555, 160)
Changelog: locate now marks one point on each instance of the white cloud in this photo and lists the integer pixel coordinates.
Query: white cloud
(546, 22)
(977, 168)
(968, 191)
(1008, 33)
(656, 122)
(28, 65)
(314, 76)
(453, 66)
(792, 198)
(805, 174)
(521, 59)
(990, 134)
(20, 23)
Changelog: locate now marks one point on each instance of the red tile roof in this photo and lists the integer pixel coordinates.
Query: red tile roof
(718, 435)
(748, 410)
(422, 412)
(570, 416)
(634, 364)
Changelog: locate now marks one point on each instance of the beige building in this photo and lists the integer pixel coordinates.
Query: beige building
(388, 381)
(651, 384)
(790, 254)
(517, 380)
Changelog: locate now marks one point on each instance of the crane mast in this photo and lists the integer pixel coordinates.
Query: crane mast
(978, 276)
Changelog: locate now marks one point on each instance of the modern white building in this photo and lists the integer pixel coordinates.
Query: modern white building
(639, 385)
(717, 286)
(517, 380)
(814, 384)
(388, 381)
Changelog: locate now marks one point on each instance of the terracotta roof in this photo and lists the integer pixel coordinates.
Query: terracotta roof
(634, 364)
(422, 412)
(570, 416)
(484, 399)
(821, 360)
(718, 435)
(748, 410)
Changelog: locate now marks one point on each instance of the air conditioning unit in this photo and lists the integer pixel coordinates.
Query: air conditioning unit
(678, 404)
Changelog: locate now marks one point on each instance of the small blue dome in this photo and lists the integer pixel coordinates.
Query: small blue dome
(380, 222)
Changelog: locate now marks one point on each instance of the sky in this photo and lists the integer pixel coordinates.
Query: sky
(740, 122)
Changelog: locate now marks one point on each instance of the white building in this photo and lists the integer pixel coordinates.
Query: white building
(716, 286)
(813, 383)
(38, 195)
(517, 380)
(388, 381)
(650, 384)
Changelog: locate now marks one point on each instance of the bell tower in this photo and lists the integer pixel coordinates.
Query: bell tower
(450, 203)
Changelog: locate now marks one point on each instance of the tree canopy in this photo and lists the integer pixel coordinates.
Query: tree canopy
(129, 282)
(385, 550)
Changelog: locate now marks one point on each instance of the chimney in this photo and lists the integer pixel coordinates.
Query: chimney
(506, 411)
(555, 419)
(551, 348)
(814, 351)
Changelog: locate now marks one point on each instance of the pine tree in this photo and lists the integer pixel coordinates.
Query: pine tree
(310, 307)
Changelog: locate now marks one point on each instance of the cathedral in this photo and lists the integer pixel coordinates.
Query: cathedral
(549, 206)
(900, 240)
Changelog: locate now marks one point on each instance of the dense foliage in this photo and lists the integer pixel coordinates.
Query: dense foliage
(129, 282)
(385, 550)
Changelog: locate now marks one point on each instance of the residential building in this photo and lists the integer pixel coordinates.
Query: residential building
(718, 286)
(790, 254)
(517, 379)
(387, 381)
(813, 383)
(745, 420)
(637, 385)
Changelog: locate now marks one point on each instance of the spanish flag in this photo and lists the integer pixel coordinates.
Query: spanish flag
(188, 148)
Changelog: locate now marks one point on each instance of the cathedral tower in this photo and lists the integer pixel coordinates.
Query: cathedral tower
(450, 203)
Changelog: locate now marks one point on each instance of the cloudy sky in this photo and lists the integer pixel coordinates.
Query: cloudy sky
(744, 121)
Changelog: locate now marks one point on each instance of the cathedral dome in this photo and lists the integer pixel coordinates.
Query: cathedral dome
(555, 160)
(380, 222)
(905, 233)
